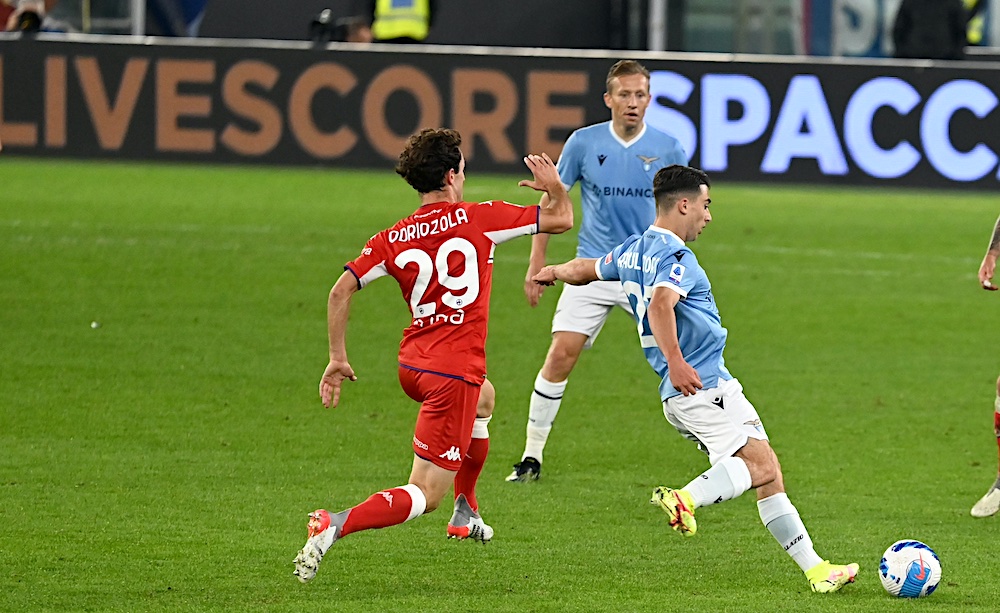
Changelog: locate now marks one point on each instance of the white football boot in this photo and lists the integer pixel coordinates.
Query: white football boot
(988, 504)
(324, 530)
(467, 524)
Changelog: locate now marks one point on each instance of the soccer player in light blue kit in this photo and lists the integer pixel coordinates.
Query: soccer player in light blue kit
(614, 162)
(682, 336)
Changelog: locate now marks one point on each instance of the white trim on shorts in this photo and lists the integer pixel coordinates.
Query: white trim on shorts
(719, 431)
(584, 308)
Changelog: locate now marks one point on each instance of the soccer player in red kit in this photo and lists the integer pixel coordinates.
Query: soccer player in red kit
(442, 258)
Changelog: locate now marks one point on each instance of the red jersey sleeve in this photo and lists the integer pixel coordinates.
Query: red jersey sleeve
(370, 265)
(501, 221)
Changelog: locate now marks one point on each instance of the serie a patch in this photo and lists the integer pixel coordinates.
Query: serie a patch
(677, 273)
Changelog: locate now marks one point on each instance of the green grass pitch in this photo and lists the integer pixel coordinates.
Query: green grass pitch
(166, 459)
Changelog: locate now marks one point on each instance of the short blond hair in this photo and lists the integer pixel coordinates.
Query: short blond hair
(624, 68)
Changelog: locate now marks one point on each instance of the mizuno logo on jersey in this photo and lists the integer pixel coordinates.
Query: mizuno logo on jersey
(452, 454)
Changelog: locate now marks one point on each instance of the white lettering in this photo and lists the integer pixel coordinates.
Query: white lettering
(805, 107)
(859, 119)
(737, 110)
(934, 133)
(718, 131)
(456, 319)
(435, 226)
(677, 89)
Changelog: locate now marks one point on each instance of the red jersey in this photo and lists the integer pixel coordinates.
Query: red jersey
(442, 258)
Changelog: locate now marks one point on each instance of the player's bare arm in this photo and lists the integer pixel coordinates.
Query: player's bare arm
(338, 310)
(988, 267)
(579, 271)
(536, 261)
(556, 216)
(663, 325)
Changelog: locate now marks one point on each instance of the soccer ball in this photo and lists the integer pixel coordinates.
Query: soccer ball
(909, 569)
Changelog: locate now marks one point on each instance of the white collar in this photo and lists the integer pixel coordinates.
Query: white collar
(666, 231)
(621, 141)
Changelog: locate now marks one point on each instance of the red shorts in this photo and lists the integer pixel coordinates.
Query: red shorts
(447, 414)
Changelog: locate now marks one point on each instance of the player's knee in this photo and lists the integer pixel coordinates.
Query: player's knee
(487, 400)
(560, 361)
(761, 461)
(433, 495)
(762, 473)
(432, 504)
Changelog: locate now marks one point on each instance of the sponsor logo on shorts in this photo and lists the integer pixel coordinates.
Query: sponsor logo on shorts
(452, 454)
(419, 443)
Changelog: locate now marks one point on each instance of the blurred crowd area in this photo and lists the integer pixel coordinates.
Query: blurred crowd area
(849, 28)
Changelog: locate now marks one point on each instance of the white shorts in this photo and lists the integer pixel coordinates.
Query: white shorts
(585, 308)
(720, 419)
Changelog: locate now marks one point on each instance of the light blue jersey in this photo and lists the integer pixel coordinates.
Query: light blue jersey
(616, 182)
(659, 258)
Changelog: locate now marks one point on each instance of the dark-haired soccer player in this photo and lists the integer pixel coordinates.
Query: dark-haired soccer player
(442, 258)
(681, 333)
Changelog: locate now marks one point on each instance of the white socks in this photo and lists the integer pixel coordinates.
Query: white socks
(782, 521)
(726, 480)
(542, 411)
(480, 428)
(418, 502)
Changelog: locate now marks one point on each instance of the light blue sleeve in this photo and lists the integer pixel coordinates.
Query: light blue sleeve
(677, 155)
(678, 271)
(570, 164)
(607, 267)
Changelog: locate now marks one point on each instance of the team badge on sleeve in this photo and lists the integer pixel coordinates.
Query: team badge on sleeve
(608, 258)
(676, 273)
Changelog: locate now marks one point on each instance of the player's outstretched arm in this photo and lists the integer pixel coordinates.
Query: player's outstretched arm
(988, 267)
(556, 215)
(663, 325)
(339, 369)
(580, 271)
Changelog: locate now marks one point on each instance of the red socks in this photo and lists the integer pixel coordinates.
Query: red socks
(385, 508)
(472, 466)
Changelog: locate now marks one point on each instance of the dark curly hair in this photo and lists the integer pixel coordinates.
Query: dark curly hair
(428, 157)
